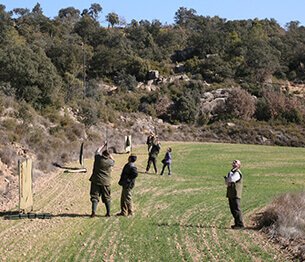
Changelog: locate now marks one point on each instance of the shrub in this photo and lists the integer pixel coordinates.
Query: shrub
(26, 112)
(202, 119)
(262, 112)
(162, 107)
(275, 101)
(184, 109)
(10, 124)
(8, 156)
(284, 217)
(240, 104)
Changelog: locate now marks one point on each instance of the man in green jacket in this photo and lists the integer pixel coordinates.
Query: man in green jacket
(234, 182)
(101, 179)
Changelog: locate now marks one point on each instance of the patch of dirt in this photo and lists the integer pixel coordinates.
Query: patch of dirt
(8, 188)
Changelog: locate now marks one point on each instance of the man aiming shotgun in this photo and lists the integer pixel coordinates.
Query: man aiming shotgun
(101, 179)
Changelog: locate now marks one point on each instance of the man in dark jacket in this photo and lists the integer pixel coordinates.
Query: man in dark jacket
(150, 140)
(101, 180)
(234, 182)
(153, 154)
(127, 181)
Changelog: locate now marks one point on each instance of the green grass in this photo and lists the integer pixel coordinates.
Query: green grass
(183, 217)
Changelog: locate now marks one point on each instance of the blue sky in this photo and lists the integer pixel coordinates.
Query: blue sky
(282, 11)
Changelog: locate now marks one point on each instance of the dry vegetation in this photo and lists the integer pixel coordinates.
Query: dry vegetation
(284, 222)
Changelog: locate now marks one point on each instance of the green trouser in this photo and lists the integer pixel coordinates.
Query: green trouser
(97, 191)
(126, 200)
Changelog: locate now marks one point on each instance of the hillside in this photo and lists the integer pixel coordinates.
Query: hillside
(67, 80)
(184, 217)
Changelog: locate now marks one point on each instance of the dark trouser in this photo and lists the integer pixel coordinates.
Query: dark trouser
(151, 160)
(234, 204)
(97, 191)
(168, 165)
(126, 201)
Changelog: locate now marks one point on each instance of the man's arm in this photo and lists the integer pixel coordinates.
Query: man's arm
(101, 149)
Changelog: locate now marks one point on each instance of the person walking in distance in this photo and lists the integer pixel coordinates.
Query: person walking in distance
(150, 140)
(127, 181)
(101, 179)
(234, 182)
(153, 154)
(167, 161)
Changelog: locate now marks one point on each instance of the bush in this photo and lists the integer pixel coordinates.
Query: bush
(284, 222)
(26, 112)
(184, 108)
(275, 105)
(285, 216)
(262, 112)
(8, 156)
(275, 101)
(240, 104)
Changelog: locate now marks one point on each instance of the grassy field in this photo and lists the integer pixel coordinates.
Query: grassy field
(183, 217)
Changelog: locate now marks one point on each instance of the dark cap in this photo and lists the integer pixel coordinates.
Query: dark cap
(133, 157)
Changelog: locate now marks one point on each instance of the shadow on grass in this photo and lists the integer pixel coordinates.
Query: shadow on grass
(12, 215)
(73, 215)
(148, 173)
(165, 224)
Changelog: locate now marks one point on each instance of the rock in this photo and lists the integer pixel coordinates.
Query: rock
(229, 124)
(212, 101)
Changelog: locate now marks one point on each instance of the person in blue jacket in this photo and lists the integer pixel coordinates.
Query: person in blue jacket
(167, 161)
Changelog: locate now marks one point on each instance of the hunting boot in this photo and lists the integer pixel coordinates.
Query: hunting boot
(94, 207)
(107, 204)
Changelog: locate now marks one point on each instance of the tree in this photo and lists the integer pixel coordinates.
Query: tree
(5, 21)
(37, 10)
(183, 16)
(86, 27)
(184, 108)
(106, 61)
(30, 73)
(260, 62)
(21, 11)
(137, 67)
(69, 15)
(94, 10)
(113, 19)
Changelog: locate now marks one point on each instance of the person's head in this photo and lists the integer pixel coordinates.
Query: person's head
(132, 158)
(236, 164)
(169, 149)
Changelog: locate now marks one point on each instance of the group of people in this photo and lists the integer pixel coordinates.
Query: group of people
(101, 180)
(154, 146)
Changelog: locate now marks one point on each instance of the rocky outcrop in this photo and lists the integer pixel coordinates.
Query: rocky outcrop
(211, 101)
(155, 83)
